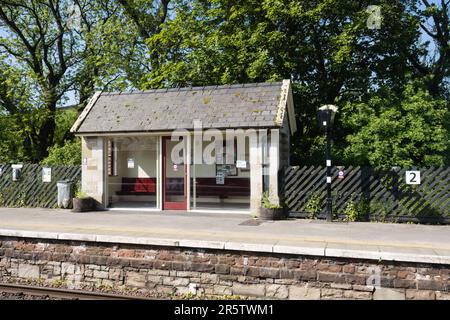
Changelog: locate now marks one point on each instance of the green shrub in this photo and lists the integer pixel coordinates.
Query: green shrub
(380, 210)
(357, 210)
(314, 205)
(351, 211)
(20, 201)
(266, 202)
(68, 154)
(81, 195)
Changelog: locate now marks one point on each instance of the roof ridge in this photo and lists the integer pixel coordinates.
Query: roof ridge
(197, 88)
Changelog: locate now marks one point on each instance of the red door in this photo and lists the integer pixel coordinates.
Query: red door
(174, 177)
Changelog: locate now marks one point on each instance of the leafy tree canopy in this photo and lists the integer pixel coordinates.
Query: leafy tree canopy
(326, 47)
(68, 154)
(392, 130)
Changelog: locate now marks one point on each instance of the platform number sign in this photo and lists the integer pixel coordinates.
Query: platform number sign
(412, 177)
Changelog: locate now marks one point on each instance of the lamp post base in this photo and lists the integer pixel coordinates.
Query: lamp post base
(329, 210)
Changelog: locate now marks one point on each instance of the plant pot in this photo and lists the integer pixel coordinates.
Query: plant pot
(272, 214)
(82, 205)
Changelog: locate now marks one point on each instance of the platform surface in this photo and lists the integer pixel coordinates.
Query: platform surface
(377, 241)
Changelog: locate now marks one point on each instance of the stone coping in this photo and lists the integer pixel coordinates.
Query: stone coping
(307, 248)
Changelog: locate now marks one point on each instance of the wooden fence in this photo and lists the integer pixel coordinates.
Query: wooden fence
(377, 194)
(30, 190)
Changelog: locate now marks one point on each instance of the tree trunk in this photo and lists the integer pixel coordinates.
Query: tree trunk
(47, 129)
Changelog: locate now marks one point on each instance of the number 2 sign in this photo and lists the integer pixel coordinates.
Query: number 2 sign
(412, 177)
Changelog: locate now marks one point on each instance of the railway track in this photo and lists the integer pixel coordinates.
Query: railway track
(63, 294)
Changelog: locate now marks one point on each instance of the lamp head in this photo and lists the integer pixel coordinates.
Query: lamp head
(325, 114)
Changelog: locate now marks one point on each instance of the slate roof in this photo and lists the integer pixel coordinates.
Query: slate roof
(229, 106)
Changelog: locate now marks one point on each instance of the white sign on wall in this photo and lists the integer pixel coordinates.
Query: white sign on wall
(46, 174)
(412, 177)
(241, 164)
(130, 163)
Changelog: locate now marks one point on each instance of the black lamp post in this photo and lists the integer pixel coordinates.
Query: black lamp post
(325, 115)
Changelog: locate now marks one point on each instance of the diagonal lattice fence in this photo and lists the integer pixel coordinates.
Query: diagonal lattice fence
(383, 195)
(30, 190)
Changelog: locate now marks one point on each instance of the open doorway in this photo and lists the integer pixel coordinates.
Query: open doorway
(132, 166)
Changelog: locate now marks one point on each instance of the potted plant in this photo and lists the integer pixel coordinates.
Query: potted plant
(270, 210)
(82, 202)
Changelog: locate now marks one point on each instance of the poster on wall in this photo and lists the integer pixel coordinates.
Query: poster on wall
(46, 174)
(220, 177)
(227, 169)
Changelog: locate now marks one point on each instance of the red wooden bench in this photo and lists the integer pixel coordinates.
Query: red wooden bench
(237, 187)
(138, 186)
(205, 187)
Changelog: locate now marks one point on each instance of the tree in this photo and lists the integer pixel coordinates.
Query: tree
(433, 61)
(16, 114)
(325, 47)
(397, 131)
(43, 44)
(58, 48)
(147, 17)
(115, 55)
(68, 154)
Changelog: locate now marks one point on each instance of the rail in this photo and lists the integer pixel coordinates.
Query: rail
(60, 293)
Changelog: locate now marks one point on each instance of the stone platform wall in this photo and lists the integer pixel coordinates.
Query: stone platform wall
(187, 272)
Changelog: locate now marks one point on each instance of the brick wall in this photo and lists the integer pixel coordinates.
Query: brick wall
(151, 269)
